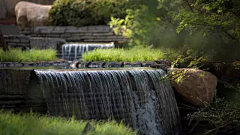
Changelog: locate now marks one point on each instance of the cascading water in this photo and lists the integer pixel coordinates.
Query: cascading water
(138, 97)
(75, 50)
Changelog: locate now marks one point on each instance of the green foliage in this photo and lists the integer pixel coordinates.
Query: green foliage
(209, 28)
(125, 55)
(213, 16)
(33, 55)
(236, 64)
(191, 59)
(221, 115)
(176, 76)
(32, 124)
(214, 23)
(86, 12)
(146, 24)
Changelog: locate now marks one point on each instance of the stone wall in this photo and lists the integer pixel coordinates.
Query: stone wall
(76, 34)
(20, 90)
(26, 42)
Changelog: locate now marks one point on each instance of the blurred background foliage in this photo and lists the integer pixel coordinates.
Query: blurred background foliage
(205, 27)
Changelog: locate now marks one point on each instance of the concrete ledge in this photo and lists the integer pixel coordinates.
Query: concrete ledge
(163, 64)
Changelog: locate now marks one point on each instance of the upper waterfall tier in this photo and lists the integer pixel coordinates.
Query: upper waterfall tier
(73, 51)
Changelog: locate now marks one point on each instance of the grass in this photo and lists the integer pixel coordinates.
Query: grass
(33, 124)
(125, 55)
(33, 55)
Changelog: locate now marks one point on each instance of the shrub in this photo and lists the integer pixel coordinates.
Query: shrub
(86, 12)
(223, 117)
(125, 55)
(32, 124)
(34, 55)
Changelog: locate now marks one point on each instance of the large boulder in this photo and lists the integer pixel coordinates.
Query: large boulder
(31, 15)
(195, 86)
(7, 6)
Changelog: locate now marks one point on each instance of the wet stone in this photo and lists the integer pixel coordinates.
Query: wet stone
(128, 64)
(164, 62)
(39, 64)
(2, 64)
(9, 64)
(83, 64)
(47, 64)
(113, 64)
(148, 64)
(18, 64)
(96, 64)
(63, 64)
(26, 64)
(160, 66)
(137, 64)
(55, 64)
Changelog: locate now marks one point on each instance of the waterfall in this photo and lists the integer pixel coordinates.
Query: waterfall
(73, 51)
(138, 97)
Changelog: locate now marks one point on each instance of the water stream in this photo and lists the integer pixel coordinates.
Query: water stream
(73, 51)
(138, 97)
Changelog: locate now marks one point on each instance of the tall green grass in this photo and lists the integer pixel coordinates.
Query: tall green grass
(33, 55)
(127, 55)
(32, 124)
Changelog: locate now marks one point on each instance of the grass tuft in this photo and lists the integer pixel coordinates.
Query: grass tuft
(33, 55)
(33, 124)
(135, 54)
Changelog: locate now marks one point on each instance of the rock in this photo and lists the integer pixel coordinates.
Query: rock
(31, 15)
(132, 64)
(113, 64)
(96, 64)
(83, 64)
(88, 128)
(74, 64)
(167, 63)
(7, 6)
(149, 64)
(195, 86)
